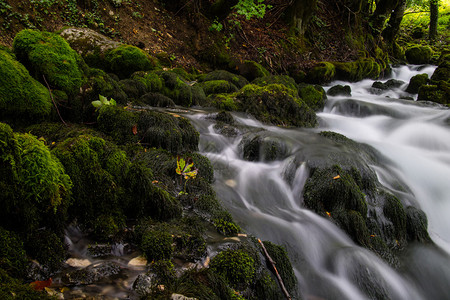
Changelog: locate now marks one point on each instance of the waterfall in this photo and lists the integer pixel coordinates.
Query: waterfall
(265, 197)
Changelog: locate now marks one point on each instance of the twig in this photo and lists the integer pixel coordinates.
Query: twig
(53, 100)
(283, 288)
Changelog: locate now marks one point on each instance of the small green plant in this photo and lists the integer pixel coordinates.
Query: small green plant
(103, 101)
(249, 9)
(215, 26)
(185, 168)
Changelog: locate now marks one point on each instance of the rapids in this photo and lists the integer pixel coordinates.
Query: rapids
(265, 198)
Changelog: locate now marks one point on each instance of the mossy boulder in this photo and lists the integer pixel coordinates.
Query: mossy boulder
(442, 72)
(126, 59)
(13, 258)
(11, 288)
(48, 55)
(103, 84)
(21, 96)
(436, 93)
(358, 70)
(313, 96)
(133, 88)
(156, 99)
(176, 88)
(218, 87)
(157, 245)
(275, 104)
(236, 266)
(152, 81)
(35, 187)
(238, 80)
(90, 44)
(153, 129)
(321, 73)
(416, 82)
(251, 70)
(263, 146)
(285, 80)
(417, 225)
(340, 90)
(418, 55)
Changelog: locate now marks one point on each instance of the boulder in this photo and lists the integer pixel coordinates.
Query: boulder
(340, 90)
(418, 55)
(416, 82)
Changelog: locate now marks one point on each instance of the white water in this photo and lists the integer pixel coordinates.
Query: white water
(415, 137)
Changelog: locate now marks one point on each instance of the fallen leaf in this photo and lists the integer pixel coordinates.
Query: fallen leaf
(328, 214)
(337, 177)
(40, 285)
(135, 129)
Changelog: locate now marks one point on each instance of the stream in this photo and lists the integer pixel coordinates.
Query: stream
(414, 137)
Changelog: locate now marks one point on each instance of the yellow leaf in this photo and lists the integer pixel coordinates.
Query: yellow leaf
(337, 177)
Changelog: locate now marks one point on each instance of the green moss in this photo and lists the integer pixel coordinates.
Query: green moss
(156, 99)
(152, 81)
(218, 87)
(285, 80)
(418, 54)
(133, 88)
(251, 70)
(37, 193)
(126, 59)
(226, 102)
(283, 265)
(47, 54)
(106, 227)
(357, 70)
(416, 225)
(434, 93)
(118, 123)
(354, 224)
(164, 271)
(47, 248)
(225, 227)
(236, 266)
(313, 96)
(237, 80)
(157, 245)
(13, 258)
(416, 82)
(321, 73)
(275, 104)
(20, 95)
(442, 72)
(267, 288)
(198, 96)
(340, 90)
(394, 211)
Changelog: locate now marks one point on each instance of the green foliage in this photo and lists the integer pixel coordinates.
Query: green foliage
(36, 192)
(186, 169)
(103, 101)
(157, 245)
(48, 55)
(249, 9)
(20, 95)
(215, 26)
(12, 254)
(11, 289)
(106, 227)
(127, 59)
(226, 227)
(236, 266)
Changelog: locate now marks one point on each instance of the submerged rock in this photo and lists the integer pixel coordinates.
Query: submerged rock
(92, 274)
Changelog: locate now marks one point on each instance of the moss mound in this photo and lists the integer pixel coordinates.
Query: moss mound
(13, 258)
(126, 59)
(176, 88)
(418, 55)
(285, 80)
(251, 70)
(322, 73)
(237, 80)
(157, 245)
(236, 266)
(275, 104)
(36, 189)
(358, 70)
(313, 96)
(218, 87)
(47, 54)
(20, 95)
(416, 82)
(154, 129)
(340, 90)
(11, 288)
(157, 99)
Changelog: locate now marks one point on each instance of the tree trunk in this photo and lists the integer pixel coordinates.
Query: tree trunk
(381, 13)
(434, 15)
(393, 26)
(300, 13)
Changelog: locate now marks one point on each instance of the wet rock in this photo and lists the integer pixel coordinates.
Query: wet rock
(92, 274)
(156, 99)
(263, 146)
(340, 90)
(416, 82)
(181, 297)
(143, 285)
(388, 85)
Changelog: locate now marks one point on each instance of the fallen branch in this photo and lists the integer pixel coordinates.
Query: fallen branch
(283, 288)
(53, 100)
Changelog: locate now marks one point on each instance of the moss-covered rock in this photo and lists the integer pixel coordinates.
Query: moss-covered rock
(35, 189)
(48, 55)
(106, 227)
(416, 82)
(435, 93)
(152, 81)
(133, 88)
(157, 244)
(418, 55)
(263, 146)
(238, 80)
(285, 80)
(321, 73)
(442, 72)
(340, 90)
(358, 70)
(103, 84)
(156, 99)
(313, 96)
(218, 87)
(126, 59)
(417, 225)
(21, 96)
(395, 213)
(275, 104)
(236, 266)
(251, 70)
(13, 258)
(176, 88)
(11, 288)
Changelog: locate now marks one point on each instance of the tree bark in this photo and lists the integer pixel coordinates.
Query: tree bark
(393, 26)
(434, 15)
(381, 13)
(300, 13)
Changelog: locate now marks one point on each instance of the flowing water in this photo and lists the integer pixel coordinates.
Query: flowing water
(265, 198)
